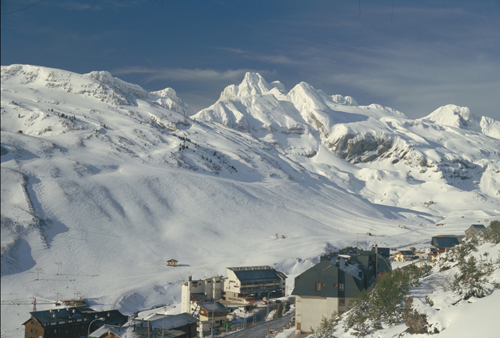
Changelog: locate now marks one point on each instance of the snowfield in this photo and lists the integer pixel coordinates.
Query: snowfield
(447, 314)
(103, 182)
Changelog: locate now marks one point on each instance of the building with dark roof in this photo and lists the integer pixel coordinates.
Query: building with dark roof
(245, 284)
(68, 322)
(473, 230)
(211, 314)
(136, 332)
(386, 252)
(445, 242)
(330, 285)
(155, 325)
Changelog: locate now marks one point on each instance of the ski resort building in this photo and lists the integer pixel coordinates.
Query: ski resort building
(211, 315)
(156, 325)
(69, 322)
(195, 291)
(331, 284)
(246, 284)
(473, 230)
(386, 252)
(445, 242)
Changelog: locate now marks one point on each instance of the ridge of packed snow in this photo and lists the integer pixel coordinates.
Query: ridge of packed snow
(452, 115)
(344, 100)
(102, 177)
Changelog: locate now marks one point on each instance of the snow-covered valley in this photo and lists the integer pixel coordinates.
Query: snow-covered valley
(103, 182)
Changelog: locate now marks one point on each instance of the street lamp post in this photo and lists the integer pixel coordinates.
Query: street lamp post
(88, 331)
(268, 301)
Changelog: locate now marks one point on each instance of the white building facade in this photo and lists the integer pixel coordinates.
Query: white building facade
(245, 284)
(194, 291)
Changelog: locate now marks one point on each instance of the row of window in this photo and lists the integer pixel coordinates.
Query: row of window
(341, 286)
(261, 282)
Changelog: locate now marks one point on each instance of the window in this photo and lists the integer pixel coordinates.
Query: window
(341, 287)
(318, 286)
(342, 301)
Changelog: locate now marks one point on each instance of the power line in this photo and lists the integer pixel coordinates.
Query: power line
(24, 8)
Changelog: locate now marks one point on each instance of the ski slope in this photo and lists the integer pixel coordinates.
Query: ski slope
(106, 182)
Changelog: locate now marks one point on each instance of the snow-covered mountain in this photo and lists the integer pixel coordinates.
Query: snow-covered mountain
(111, 181)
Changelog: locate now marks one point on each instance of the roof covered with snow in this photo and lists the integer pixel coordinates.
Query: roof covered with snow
(256, 273)
(213, 306)
(173, 321)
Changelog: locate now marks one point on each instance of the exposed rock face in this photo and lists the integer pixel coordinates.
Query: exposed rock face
(361, 148)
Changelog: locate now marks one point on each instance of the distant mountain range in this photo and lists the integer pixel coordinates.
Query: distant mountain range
(111, 181)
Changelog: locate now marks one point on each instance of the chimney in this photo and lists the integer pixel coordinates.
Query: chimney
(190, 278)
(360, 273)
(337, 262)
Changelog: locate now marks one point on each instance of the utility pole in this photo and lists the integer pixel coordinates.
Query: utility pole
(59, 264)
(38, 271)
(213, 310)
(34, 304)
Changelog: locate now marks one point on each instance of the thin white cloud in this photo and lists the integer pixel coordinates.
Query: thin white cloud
(277, 59)
(186, 75)
(85, 6)
(75, 6)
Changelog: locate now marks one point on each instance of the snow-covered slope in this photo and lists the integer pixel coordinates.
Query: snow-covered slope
(111, 181)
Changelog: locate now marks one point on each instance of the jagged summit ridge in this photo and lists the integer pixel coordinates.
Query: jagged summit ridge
(101, 85)
(461, 117)
(252, 84)
(452, 115)
(101, 180)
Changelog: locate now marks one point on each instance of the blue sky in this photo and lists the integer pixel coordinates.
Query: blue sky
(413, 56)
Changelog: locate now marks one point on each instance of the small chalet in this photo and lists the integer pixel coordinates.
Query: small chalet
(332, 283)
(69, 322)
(404, 256)
(445, 242)
(473, 230)
(172, 262)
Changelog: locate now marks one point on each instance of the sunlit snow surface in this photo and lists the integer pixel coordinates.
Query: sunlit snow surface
(127, 179)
